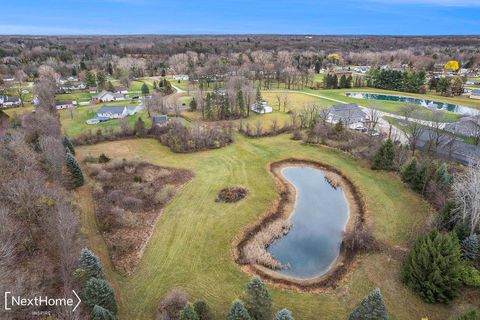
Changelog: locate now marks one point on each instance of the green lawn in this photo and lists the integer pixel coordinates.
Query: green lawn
(191, 246)
(81, 96)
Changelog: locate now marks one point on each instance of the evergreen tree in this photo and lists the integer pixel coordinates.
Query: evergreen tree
(100, 313)
(410, 171)
(419, 181)
(91, 264)
(372, 307)
(202, 310)
(385, 156)
(238, 312)
(101, 78)
(318, 66)
(139, 127)
(74, 170)
(471, 247)
(283, 314)
(343, 81)
(188, 313)
(110, 68)
(241, 103)
(258, 97)
(67, 143)
(442, 176)
(145, 89)
(257, 300)
(98, 292)
(433, 267)
(90, 79)
(193, 105)
(339, 126)
(470, 315)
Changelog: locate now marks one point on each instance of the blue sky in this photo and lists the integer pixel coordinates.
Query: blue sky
(398, 17)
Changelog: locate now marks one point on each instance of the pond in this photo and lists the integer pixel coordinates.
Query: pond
(430, 104)
(318, 221)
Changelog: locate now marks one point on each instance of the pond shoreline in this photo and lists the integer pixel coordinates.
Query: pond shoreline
(282, 209)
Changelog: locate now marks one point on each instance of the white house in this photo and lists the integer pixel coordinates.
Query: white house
(66, 104)
(183, 77)
(475, 94)
(9, 102)
(263, 108)
(120, 89)
(107, 96)
(351, 115)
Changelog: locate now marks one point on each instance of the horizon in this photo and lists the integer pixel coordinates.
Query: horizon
(305, 17)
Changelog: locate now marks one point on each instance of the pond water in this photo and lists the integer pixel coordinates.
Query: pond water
(319, 218)
(431, 104)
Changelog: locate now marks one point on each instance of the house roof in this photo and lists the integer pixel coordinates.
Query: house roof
(476, 92)
(346, 111)
(111, 109)
(119, 88)
(160, 118)
(58, 103)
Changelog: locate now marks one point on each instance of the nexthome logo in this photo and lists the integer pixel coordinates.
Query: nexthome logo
(12, 301)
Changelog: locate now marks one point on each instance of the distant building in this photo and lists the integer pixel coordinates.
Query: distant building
(475, 94)
(183, 77)
(7, 102)
(261, 108)
(346, 73)
(467, 126)
(351, 115)
(159, 120)
(66, 104)
(107, 96)
(92, 90)
(120, 89)
(106, 113)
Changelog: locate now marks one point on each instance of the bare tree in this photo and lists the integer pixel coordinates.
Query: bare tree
(413, 131)
(436, 132)
(373, 118)
(44, 91)
(466, 195)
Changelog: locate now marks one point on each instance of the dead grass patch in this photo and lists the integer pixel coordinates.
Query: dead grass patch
(231, 194)
(129, 197)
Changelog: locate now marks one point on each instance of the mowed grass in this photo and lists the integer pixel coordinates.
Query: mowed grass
(191, 246)
(388, 106)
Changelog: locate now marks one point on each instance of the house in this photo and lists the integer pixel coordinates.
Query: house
(159, 120)
(107, 96)
(65, 104)
(346, 73)
(92, 90)
(113, 112)
(9, 102)
(261, 108)
(120, 89)
(475, 94)
(350, 114)
(467, 126)
(183, 77)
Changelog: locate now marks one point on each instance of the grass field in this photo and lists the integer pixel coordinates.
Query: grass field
(191, 246)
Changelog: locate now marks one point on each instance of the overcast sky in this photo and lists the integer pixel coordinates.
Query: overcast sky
(396, 17)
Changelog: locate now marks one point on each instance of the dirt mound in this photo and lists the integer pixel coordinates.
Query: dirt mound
(231, 194)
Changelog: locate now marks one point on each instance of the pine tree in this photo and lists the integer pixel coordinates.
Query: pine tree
(99, 313)
(471, 247)
(145, 89)
(410, 171)
(193, 105)
(257, 300)
(74, 170)
(433, 267)
(67, 143)
(385, 156)
(372, 307)
(90, 79)
(202, 310)
(139, 127)
(98, 292)
(91, 264)
(238, 312)
(188, 313)
(283, 314)
(419, 181)
(442, 176)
